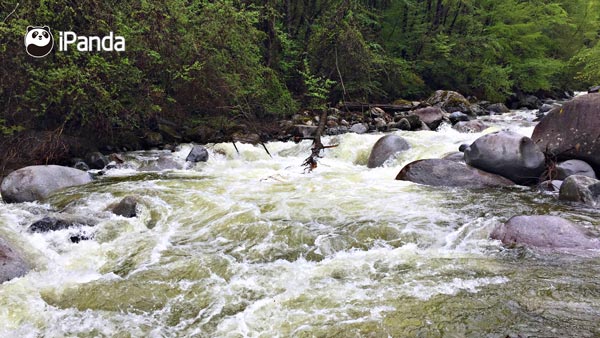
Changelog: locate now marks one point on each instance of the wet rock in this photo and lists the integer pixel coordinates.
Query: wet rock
(359, 128)
(551, 186)
(458, 116)
(474, 126)
(81, 166)
(126, 207)
(594, 89)
(450, 101)
(385, 148)
(580, 189)
(197, 154)
(498, 108)
(440, 172)
(572, 131)
(509, 154)
(403, 124)
(462, 147)
(550, 232)
(162, 163)
(12, 264)
(53, 223)
(96, 160)
(431, 116)
(546, 107)
(456, 156)
(574, 167)
(40, 181)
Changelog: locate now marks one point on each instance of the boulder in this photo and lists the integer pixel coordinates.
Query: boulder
(385, 148)
(455, 156)
(551, 186)
(447, 173)
(572, 131)
(54, 223)
(162, 163)
(197, 154)
(431, 116)
(551, 232)
(12, 264)
(509, 154)
(458, 116)
(498, 108)
(580, 189)
(359, 128)
(40, 181)
(96, 160)
(474, 126)
(574, 167)
(450, 101)
(594, 89)
(127, 207)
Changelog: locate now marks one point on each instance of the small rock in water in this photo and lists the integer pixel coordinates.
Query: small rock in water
(458, 116)
(126, 207)
(580, 189)
(96, 160)
(197, 154)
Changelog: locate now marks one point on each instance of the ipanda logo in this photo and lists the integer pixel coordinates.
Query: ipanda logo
(39, 42)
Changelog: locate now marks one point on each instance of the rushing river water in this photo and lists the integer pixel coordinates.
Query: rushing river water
(251, 246)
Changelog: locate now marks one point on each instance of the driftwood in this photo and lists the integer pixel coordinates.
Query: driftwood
(390, 108)
(311, 162)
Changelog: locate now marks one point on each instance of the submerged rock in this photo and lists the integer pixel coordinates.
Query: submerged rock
(162, 163)
(40, 181)
(509, 154)
(385, 148)
(53, 223)
(580, 189)
(544, 232)
(572, 131)
(12, 264)
(447, 173)
(197, 154)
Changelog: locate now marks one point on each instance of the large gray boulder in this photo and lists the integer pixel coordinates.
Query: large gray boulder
(551, 232)
(580, 189)
(385, 148)
(431, 116)
(448, 173)
(572, 131)
(40, 181)
(12, 264)
(574, 167)
(509, 154)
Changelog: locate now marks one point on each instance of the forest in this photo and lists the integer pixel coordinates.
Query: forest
(202, 62)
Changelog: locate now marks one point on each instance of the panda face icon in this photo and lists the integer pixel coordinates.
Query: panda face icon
(38, 41)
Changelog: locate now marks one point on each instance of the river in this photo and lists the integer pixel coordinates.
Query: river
(251, 246)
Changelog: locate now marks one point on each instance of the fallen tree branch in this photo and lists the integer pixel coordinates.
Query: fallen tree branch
(311, 162)
(11, 13)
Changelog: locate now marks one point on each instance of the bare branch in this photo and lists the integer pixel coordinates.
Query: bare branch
(11, 13)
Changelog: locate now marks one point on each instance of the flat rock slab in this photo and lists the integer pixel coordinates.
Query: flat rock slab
(448, 173)
(542, 231)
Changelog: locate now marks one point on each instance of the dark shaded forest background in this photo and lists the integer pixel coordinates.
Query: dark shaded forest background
(196, 62)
